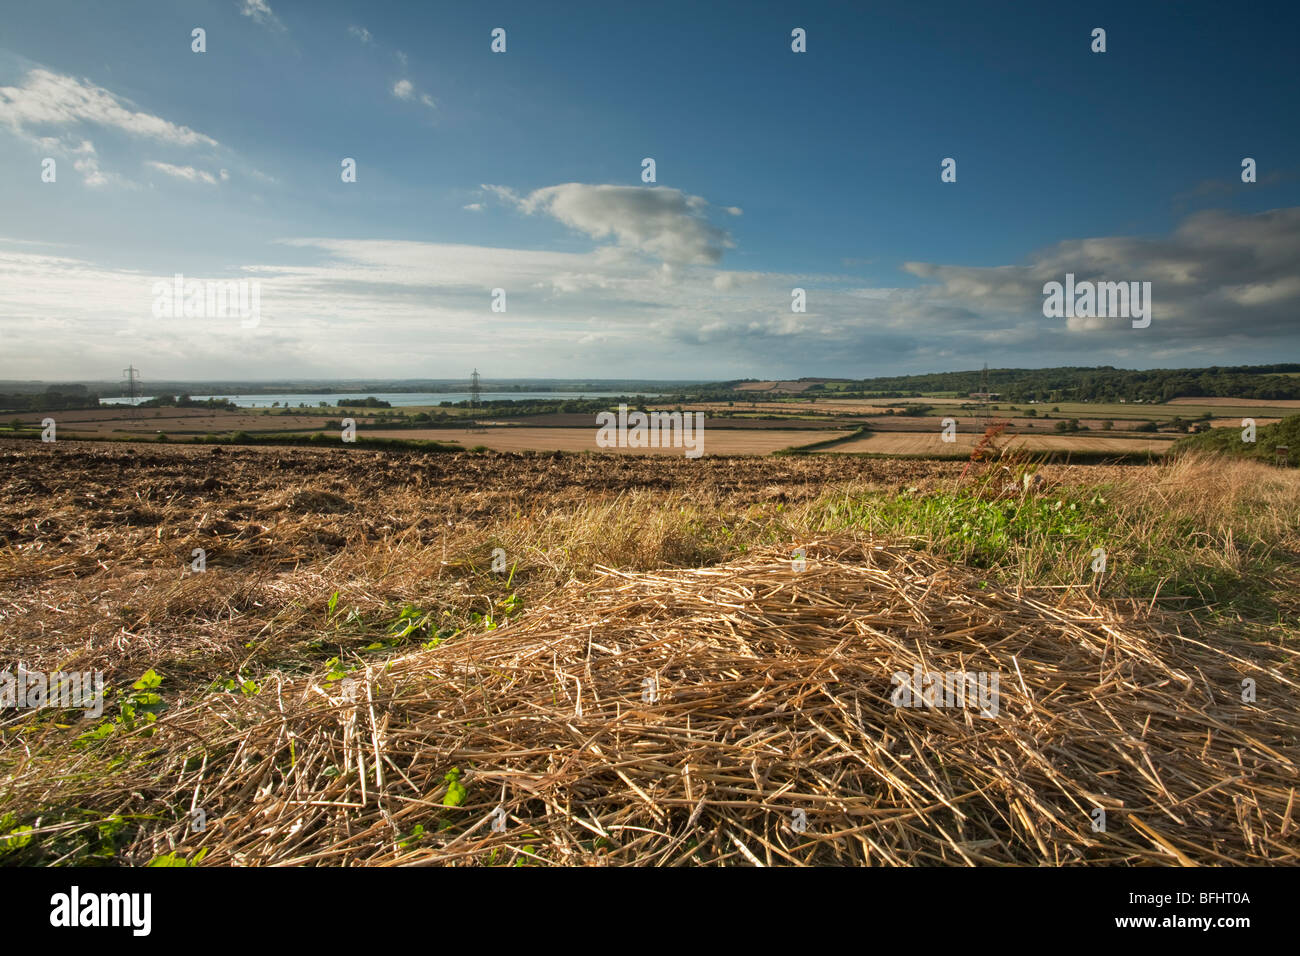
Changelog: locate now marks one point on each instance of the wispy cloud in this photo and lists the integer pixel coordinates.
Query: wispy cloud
(260, 11)
(87, 163)
(49, 99)
(406, 90)
(188, 173)
(362, 34)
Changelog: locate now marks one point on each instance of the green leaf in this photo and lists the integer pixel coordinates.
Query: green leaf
(176, 859)
(456, 792)
(17, 837)
(148, 681)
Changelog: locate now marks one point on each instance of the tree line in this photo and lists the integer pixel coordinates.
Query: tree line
(1101, 384)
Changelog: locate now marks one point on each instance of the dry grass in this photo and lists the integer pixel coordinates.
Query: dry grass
(1240, 517)
(773, 696)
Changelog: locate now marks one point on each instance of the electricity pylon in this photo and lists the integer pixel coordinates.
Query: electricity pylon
(474, 394)
(132, 380)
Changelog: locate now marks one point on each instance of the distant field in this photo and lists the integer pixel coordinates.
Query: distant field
(804, 404)
(791, 406)
(774, 386)
(174, 422)
(588, 420)
(877, 403)
(797, 423)
(723, 441)
(1236, 421)
(1252, 402)
(918, 443)
(966, 423)
(1117, 411)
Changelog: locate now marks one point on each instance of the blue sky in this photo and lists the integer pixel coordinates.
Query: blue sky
(522, 171)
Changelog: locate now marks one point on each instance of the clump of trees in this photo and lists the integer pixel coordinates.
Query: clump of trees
(54, 398)
(184, 401)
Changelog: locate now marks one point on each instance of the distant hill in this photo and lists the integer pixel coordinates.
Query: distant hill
(1101, 384)
(1228, 441)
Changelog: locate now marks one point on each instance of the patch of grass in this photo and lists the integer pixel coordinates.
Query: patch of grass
(1211, 535)
(981, 532)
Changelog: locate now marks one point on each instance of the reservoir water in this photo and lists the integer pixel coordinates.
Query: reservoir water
(394, 398)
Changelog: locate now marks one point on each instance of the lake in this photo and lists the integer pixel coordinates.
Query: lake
(394, 398)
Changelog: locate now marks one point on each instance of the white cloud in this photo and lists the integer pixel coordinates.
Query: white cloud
(726, 281)
(362, 34)
(389, 297)
(260, 11)
(85, 159)
(88, 166)
(188, 173)
(405, 90)
(51, 99)
(474, 207)
(1219, 274)
(504, 193)
(653, 220)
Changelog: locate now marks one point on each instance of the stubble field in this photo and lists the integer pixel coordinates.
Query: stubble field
(547, 659)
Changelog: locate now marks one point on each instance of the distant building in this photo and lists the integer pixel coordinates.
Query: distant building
(986, 396)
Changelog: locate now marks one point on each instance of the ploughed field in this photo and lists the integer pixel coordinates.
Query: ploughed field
(116, 422)
(716, 441)
(97, 539)
(932, 444)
